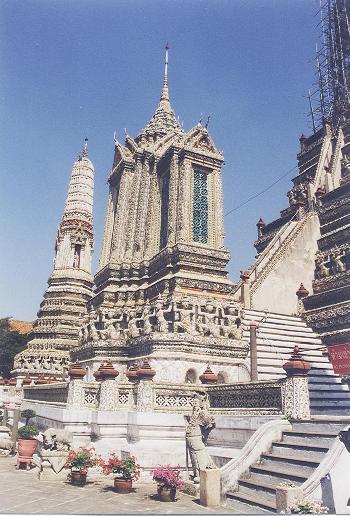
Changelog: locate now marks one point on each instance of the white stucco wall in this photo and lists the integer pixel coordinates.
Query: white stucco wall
(277, 292)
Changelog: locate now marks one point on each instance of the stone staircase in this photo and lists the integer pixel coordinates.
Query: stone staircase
(277, 334)
(293, 459)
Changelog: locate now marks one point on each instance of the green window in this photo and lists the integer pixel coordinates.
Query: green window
(200, 207)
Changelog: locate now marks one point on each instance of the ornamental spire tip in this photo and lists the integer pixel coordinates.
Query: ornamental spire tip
(85, 151)
(165, 89)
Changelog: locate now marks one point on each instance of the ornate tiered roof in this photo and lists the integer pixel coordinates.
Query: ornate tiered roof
(164, 120)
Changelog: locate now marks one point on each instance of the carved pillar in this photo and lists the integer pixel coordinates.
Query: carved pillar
(142, 220)
(253, 351)
(144, 396)
(153, 214)
(301, 293)
(109, 395)
(108, 229)
(245, 290)
(216, 225)
(145, 392)
(186, 201)
(173, 195)
(133, 201)
(75, 394)
(295, 390)
(121, 217)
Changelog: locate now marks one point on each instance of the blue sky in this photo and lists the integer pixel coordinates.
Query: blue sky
(80, 68)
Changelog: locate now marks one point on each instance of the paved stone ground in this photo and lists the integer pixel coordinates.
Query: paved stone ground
(22, 493)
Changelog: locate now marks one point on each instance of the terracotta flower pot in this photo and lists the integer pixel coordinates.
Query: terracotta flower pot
(123, 485)
(26, 447)
(78, 478)
(166, 493)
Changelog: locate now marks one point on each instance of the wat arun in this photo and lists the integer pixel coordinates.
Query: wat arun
(162, 290)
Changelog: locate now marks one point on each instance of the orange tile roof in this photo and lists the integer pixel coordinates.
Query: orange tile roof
(22, 327)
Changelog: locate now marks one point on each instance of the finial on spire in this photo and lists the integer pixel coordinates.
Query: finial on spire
(85, 151)
(165, 89)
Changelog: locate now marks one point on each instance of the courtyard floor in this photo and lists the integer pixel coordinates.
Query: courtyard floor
(21, 492)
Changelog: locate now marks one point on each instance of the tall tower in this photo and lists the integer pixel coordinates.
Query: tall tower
(69, 289)
(162, 282)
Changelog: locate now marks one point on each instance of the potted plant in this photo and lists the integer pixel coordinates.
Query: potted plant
(168, 480)
(79, 461)
(26, 442)
(126, 470)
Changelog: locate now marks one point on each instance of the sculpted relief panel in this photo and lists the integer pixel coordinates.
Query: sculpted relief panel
(191, 316)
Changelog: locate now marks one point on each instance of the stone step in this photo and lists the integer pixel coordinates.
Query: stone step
(304, 443)
(256, 500)
(320, 439)
(283, 472)
(334, 403)
(330, 395)
(320, 428)
(290, 459)
(240, 507)
(324, 379)
(272, 480)
(271, 356)
(293, 452)
(287, 340)
(322, 370)
(258, 485)
(309, 350)
(292, 328)
(328, 387)
(272, 316)
(329, 410)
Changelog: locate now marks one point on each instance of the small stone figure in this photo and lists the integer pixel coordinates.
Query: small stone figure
(93, 333)
(209, 327)
(5, 441)
(57, 439)
(337, 262)
(162, 323)
(133, 329)
(200, 424)
(146, 314)
(185, 324)
(321, 270)
(53, 454)
(233, 328)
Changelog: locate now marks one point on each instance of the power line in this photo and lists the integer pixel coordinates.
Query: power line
(261, 192)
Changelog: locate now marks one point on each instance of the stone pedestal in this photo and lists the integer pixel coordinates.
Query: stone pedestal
(52, 465)
(210, 487)
(285, 496)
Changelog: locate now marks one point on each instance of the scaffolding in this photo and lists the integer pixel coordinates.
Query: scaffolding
(330, 98)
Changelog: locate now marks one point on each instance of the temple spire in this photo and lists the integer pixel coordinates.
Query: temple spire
(165, 89)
